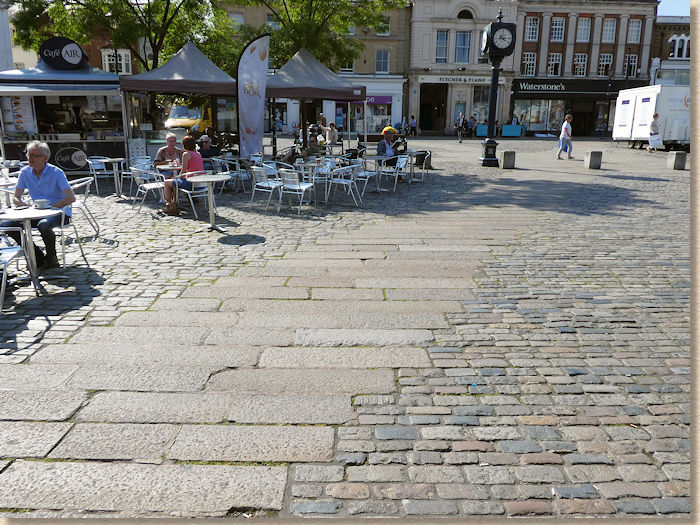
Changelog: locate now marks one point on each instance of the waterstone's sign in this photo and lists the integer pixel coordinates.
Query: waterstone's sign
(70, 158)
(61, 53)
(549, 86)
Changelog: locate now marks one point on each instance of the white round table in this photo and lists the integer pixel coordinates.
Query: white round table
(115, 162)
(210, 180)
(26, 215)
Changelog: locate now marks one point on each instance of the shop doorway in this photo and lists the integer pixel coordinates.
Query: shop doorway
(584, 122)
(433, 104)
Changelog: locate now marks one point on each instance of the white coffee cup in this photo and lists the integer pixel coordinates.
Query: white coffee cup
(42, 203)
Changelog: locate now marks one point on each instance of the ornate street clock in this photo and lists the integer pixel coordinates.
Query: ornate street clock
(497, 42)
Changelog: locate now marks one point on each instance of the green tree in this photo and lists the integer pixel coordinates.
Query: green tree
(152, 29)
(321, 26)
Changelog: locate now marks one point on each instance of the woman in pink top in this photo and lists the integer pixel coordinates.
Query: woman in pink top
(191, 162)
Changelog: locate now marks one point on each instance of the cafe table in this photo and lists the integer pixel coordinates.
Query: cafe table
(116, 163)
(210, 180)
(25, 215)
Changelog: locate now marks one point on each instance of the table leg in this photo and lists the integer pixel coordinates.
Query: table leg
(117, 185)
(212, 217)
(31, 257)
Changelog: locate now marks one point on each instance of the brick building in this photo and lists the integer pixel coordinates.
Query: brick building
(670, 51)
(575, 56)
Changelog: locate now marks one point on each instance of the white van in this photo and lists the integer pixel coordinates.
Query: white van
(635, 109)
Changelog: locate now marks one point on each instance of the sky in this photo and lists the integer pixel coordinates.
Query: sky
(674, 8)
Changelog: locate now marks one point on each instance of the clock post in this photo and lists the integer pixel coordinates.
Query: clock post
(498, 41)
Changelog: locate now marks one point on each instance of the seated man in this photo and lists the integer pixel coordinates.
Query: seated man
(44, 181)
(207, 151)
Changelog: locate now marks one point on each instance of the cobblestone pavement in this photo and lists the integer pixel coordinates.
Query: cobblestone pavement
(486, 343)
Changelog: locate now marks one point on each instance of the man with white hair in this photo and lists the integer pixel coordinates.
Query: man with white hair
(43, 181)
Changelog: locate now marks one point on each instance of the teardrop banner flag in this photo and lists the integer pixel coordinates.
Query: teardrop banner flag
(252, 80)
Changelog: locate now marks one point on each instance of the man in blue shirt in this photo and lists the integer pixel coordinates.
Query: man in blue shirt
(43, 181)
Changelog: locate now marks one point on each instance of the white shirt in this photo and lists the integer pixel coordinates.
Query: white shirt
(565, 131)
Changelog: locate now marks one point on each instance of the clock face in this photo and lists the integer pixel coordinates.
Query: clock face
(502, 38)
(484, 40)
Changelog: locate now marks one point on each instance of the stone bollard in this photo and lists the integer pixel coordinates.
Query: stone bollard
(676, 160)
(507, 160)
(593, 160)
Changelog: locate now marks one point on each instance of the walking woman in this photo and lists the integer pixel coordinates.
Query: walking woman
(565, 137)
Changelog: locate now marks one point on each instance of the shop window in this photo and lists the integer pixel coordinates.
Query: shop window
(381, 64)
(378, 117)
(480, 103)
(554, 65)
(605, 65)
(441, 47)
(634, 31)
(609, 26)
(583, 30)
(237, 18)
(528, 64)
(557, 34)
(383, 29)
(123, 61)
(273, 23)
(631, 65)
(348, 67)
(463, 43)
(532, 28)
(580, 64)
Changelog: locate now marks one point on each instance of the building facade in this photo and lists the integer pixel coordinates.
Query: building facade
(670, 51)
(574, 58)
(447, 74)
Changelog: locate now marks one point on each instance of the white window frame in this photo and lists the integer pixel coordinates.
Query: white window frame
(529, 64)
(580, 64)
(631, 61)
(467, 48)
(273, 23)
(554, 59)
(557, 32)
(608, 34)
(124, 60)
(377, 61)
(238, 19)
(680, 43)
(634, 31)
(532, 28)
(605, 59)
(387, 24)
(439, 58)
(583, 30)
(346, 69)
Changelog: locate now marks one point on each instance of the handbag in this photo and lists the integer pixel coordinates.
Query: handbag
(655, 141)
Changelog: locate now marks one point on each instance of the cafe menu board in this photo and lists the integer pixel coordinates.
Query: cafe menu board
(18, 115)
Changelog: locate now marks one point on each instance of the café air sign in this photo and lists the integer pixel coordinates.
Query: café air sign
(60, 52)
(457, 79)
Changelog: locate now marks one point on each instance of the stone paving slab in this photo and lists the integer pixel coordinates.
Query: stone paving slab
(102, 441)
(360, 358)
(41, 405)
(149, 355)
(303, 381)
(141, 378)
(178, 319)
(429, 294)
(141, 335)
(22, 439)
(339, 307)
(330, 319)
(255, 292)
(348, 337)
(186, 305)
(253, 443)
(250, 336)
(347, 294)
(291, 409)
(147, 407)
(34, 377)
(413, 282)
(161, 488)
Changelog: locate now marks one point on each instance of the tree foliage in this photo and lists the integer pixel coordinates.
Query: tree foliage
(321, 26)
(152, 29)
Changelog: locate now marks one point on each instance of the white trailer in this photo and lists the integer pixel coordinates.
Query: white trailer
(635, 109)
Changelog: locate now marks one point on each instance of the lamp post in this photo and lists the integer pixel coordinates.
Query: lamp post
(498, 41)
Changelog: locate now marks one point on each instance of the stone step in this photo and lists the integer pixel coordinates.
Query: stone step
(182, 489)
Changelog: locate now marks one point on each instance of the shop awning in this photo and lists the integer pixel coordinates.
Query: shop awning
(42, 80)
(188, 72)
(304, 77)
